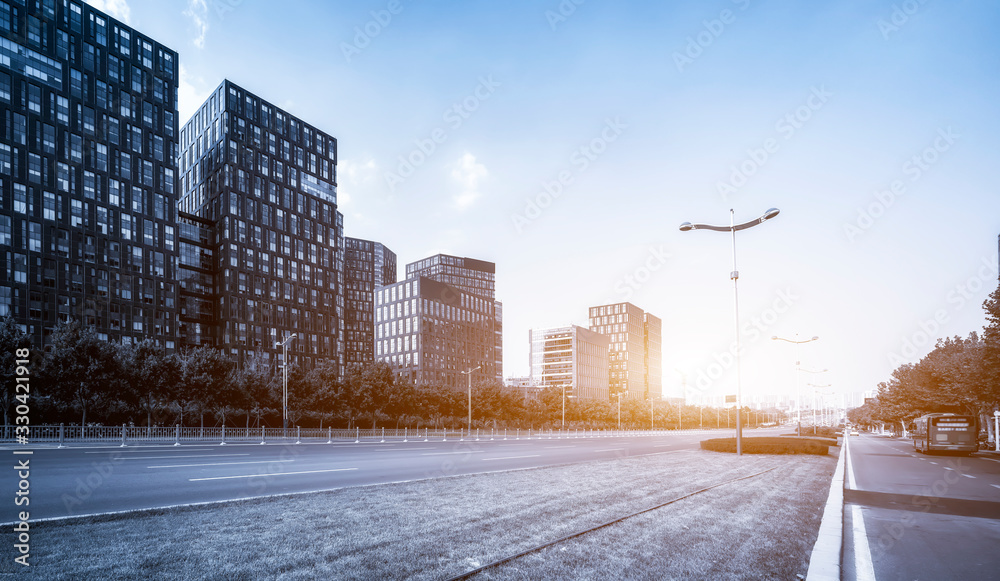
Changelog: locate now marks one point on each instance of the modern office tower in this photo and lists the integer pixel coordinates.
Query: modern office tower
(430, 331)
(635, 357)
(652, 335)
(368, 265)
(88, 110)
(264, 185)
(473, 276)
(571, 357)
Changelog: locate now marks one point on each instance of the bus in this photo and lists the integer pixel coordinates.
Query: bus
(945, 433)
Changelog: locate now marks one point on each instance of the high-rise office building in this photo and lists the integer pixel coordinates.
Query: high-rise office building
(473, 276)
(262, 186)
(368, 265)
(88, 108)
(635, 358)
(572, 358)
(440, 321)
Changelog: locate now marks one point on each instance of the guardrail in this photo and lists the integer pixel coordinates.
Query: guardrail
(131, 435)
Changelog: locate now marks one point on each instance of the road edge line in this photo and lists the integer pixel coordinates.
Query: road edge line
(824, 562)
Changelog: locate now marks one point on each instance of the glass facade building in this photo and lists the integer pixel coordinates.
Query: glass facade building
(635, 353)
(88, 170)
(264, 185)
(369, 265)
(572, 357)
(440, 321)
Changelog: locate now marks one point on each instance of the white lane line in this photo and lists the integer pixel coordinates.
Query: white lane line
(220, 464)
(995, 485)
(969, 476)
(663, 445)
(610, 450)
(172, 457)
(946, 468)
(934, 463)
(512, 457)
(451, 453)
(990, 459)
(398, 449)
(863, 568)
(268, 475)
(558, 447)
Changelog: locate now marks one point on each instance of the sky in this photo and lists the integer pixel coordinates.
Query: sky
(567, 140)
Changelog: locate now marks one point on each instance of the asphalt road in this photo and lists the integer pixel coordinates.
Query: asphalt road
(910, 517)
(94, 480)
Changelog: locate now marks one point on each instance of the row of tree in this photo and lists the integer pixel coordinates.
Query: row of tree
(82, 378)
(960, 375)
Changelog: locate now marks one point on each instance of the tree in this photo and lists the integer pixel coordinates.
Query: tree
(205, 380)
(254, 383)
(79, 367)
(148, 374)
(12, 338)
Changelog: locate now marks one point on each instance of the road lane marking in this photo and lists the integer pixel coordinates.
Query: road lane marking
(995, 485)
(512, 457)
(270, 474)
(863, 568)
(398, 449)
(947, 468)
(969, 476)
(934, 463)
(220, 464)
(450, 453)
(172, 457)
(610, 450)
(558, 447)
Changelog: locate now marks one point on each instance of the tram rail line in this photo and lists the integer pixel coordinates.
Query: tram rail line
(579, 533)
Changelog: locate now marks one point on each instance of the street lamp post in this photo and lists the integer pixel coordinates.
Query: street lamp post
(284, 388)
(564, 404)
(734, 275)
(469, 373)
(814, 394)
(798, 374)
(619, 396)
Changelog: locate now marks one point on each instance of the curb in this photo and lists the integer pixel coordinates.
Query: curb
(824, 562)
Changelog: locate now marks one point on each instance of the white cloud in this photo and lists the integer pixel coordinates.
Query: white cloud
(468, 173)
(115, 8)
(197, 11)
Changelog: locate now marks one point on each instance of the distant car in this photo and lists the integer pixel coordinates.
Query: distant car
(855, 433)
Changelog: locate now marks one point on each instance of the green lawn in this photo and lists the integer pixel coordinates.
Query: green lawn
(760, 528)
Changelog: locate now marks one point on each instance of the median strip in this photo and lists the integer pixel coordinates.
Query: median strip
(270, 474)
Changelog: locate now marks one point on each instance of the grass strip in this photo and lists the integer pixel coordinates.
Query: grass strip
(433, 529)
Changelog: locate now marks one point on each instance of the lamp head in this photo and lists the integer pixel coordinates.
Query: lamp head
(687, 226)
(771, 213)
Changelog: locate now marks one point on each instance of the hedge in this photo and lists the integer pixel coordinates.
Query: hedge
(773, 445)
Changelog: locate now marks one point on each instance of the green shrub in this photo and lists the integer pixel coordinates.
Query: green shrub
(770, 445)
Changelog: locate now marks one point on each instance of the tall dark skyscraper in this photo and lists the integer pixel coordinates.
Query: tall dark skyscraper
(88, 114)
(369, 265)
(259, 197)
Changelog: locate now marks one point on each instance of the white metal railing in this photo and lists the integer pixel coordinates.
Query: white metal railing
(125, 435)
